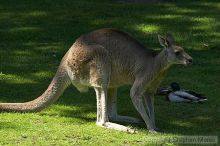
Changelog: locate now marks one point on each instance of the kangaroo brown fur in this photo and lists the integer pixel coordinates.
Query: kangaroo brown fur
(107, 59)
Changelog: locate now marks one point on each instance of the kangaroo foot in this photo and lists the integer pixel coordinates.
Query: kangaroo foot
(118, 127)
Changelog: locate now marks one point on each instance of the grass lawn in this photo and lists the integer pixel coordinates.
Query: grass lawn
(34, 35)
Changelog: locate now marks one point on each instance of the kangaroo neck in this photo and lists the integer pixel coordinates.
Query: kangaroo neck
(159, 70)
(161, 63)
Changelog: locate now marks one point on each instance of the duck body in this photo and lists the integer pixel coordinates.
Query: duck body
(175, 94)
(184, 96)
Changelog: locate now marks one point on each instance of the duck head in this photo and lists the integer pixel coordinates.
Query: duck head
(175, 86)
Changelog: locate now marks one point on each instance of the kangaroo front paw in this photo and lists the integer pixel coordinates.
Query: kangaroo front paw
(155, 130)
(158, 130)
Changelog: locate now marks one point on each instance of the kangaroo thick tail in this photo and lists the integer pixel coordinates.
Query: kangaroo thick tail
(55, 89)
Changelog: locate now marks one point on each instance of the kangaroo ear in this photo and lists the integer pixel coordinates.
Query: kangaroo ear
(170, 38)
(163, 41)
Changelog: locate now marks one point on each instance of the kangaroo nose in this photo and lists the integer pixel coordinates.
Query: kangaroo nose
(190, 60)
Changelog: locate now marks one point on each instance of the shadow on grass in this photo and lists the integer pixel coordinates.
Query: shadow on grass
(7, 125)
(36, 34)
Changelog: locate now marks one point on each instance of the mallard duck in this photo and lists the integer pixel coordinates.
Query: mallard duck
(175, 94)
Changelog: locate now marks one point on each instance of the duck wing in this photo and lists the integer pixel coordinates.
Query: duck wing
(201, 96)
(176, 98)
(186, 95)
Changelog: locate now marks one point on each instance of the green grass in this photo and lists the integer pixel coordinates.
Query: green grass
(34, 35)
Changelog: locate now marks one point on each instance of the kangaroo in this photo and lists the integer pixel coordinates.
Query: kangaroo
(106, 59)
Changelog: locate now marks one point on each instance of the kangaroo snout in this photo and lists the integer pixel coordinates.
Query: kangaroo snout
(189, 61)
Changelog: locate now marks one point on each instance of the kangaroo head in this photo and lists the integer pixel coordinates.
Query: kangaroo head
(175, 53)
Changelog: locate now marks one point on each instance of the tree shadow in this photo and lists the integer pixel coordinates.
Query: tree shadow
(7, 125)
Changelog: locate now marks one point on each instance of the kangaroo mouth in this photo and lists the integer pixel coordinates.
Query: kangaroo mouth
(187, 62)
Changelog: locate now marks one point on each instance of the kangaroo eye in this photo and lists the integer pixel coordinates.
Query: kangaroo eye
(177, 53)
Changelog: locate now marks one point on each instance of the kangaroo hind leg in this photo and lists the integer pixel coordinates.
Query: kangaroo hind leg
(102, 115)
(112, 109)
(100, 79)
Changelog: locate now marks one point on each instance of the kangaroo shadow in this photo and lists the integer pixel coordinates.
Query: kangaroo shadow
(7, 125)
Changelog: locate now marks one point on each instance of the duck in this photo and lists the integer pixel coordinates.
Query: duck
(178, 95)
